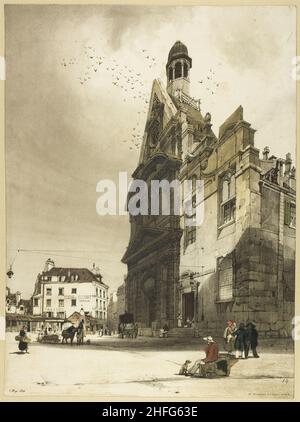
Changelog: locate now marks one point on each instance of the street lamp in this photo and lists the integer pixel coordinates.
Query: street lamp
(10, 272)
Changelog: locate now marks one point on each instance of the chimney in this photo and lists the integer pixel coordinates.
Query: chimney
(18, 298)
(266, 152)
(280, 162)
(49, 264)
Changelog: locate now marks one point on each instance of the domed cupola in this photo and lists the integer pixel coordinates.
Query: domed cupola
(178, 69)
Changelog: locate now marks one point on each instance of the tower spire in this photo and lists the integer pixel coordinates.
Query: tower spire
(178, 69)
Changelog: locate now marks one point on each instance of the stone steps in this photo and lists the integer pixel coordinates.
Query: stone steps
(182, 332)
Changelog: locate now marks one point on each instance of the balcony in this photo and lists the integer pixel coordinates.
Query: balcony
(184, 98)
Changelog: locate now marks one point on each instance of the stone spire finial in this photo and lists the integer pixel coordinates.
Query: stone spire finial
(288, 163)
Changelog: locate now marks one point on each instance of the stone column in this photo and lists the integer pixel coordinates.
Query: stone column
(163, 292)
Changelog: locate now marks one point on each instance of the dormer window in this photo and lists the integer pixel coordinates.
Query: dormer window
(74, 277)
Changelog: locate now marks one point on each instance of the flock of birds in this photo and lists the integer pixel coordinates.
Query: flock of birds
(208, 82)
(123, 77)
(130, 82)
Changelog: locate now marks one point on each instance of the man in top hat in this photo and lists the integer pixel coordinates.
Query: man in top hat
(251, 340)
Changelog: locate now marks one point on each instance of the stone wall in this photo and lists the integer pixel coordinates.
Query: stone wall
(263, 247)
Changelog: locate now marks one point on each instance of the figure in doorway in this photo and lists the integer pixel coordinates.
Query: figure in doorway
(179, 320)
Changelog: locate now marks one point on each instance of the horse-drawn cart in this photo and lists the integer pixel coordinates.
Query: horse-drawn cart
(49, 338)
(127, 327)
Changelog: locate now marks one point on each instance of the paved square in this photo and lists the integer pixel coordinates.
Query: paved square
(140, 368)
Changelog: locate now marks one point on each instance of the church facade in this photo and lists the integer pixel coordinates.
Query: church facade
(239, 263)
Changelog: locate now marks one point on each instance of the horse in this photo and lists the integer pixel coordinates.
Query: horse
(68, 334)
(80, 335)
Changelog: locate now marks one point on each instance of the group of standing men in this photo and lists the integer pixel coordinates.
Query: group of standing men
(241, 339)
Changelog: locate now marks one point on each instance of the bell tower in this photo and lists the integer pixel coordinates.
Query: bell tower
(178, 69)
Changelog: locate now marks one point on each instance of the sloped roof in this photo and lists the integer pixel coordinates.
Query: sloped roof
(77, 315)
(178, 51)
(231, 121)
(84, 275)
(194, 115)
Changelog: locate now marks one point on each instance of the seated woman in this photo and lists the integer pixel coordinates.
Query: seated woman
(211, 355)
(163, 332)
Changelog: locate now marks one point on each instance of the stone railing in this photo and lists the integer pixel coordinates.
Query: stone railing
(184, 98)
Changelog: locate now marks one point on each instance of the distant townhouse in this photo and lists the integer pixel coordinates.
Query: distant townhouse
(17, 311)
(59, 292)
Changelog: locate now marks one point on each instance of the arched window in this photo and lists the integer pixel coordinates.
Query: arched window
(178, 73)
(170, 73)
(185, 70)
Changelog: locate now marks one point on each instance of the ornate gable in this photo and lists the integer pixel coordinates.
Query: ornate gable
(155, 124)
(161, 110)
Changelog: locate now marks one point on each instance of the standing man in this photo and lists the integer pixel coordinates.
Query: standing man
(251, 337)
(82, 317)
(229, 337)
(240, 341)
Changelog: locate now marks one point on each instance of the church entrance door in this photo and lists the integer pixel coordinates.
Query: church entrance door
(188, 302)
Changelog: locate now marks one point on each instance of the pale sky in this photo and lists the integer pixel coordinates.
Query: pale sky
(63, 136)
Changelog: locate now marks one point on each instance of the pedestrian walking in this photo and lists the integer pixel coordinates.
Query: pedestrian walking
(23, 343)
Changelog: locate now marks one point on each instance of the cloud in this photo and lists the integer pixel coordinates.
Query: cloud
(249, 38)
